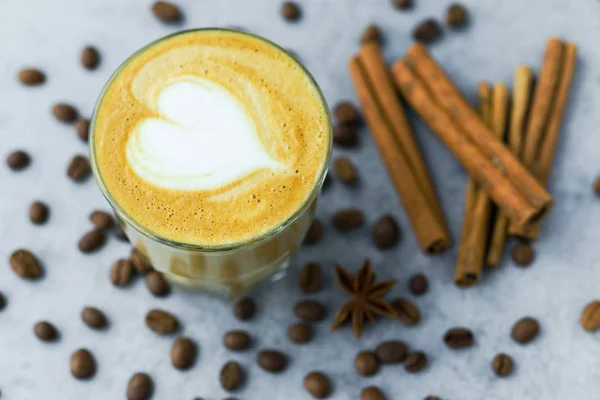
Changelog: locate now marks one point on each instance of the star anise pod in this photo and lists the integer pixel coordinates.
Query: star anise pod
(366, 298)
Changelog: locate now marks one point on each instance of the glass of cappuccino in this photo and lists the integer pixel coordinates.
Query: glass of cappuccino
(211, 146)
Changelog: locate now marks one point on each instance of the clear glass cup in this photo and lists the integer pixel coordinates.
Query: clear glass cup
(231, 271)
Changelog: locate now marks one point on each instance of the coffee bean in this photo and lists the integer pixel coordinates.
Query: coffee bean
(92, 241)
(386, 233)
(459, 338)
(345, 170)
(502, 365)
(167, 12)
(415, 361)
(157, 284)
(345, 135)
(523, 254)
(83, 364)
(121, 273)
(78, 169)
(183, 353)
(310, 310)
(371, 393)
(407, 311)
(236, 340)
(597, 186)
(432, 398)
(525, 330)
(366, 363)
(372, 33)
(140, 387)
(231, 376)
(141, 263)
(590, 317)
(427, 31)
(90, 58)
(120, 233)
(346, 113)
(31, 77)
(64, 112)
(291, 11)
(403, 4)
(299, 333)
(25, 264)
(310, 277)
(38, 212)
(272, 360)
(45, 331)
(391, 352)
(317, 384)
(2, 301)
(162, 322)
(94, 318)
(244, 309)
(457, 16)
(315, 233)
(18, 160)
(101, 220)
(418, 284)
(82, 126)
(348, 219)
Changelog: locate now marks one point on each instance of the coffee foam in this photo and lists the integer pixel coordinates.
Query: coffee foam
(211, 138)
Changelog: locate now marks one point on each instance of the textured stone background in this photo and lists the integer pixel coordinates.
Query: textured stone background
(563, 363)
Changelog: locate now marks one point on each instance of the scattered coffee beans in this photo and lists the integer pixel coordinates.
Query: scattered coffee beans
(310, 310)
(64, 112)
(415, 361)
(82, 126)
(427, 31)
(315, 233)
(523, 254)
(418, 284)
(101, 220)
(45, 331)
(310, 277)
(407, 311)
(140, 387)
(38, 212)
(231, 376)
(391, 352)
(157, 284)
(366, 363)
(346, 113)
(236, 340)
(590, 317)
(90, 58)
(83, 364)
(459, 338)
(372, 33)
(2, 301)
(457, 16)
(502, 365)
(78, 169)
(345, 170)
(272, 360)
(94, 318)
(244, 309)
(597, 186)
(25, 265)
(348, 219)
(18, 160)
(371, 393)
(121, 273)
(317, 384)
(92, 241)
(299, 332)
(386, 233)
(345, 135)
(162, 322)
(31, 77)
(525, 330)
(291, 11)
(141, 263)
(183, 353)
(166, 12)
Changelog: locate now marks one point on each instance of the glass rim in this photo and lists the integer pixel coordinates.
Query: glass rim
(252, 242)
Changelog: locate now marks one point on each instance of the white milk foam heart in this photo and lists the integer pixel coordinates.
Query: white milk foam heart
(205, 139)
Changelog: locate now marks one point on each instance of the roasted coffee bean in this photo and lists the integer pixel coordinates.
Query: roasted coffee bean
(18, 160)
(523, 254)
(45, 331)
(162, 322)
(597, 186)
(459, 338)
(525, 330)
(386, 232)
(25, 264)
(90, 58)
(78, 169)
(348, 219)
(291, 11)
(272, 360)
(101, 220)
(345, 135)
(366, 363)
(371, 393)
(31, 77)
(83, 364)
(317, 384)
(457, 16)
(244, 309)
(236, 340)
(38, 212)
(157, 284)
(64, 112)
(299, 332)
(372, 33)
(310, 310)
(310, 277)
(167, 12)
(418, 284)
(502, 365)
(315, 232)
(345, 170)
(140, 387)
(415, 361)
(403, 4)
(346, 113)
(427, 31)
(120, 233)
(2, 301)
(407, 311)
(183, 353)
(141, 263)
(92, 241)
(94, 318)
(432, 398)
(590, 317)
(121, 273)
(231, 376)
(82, 126)
(391, 352)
